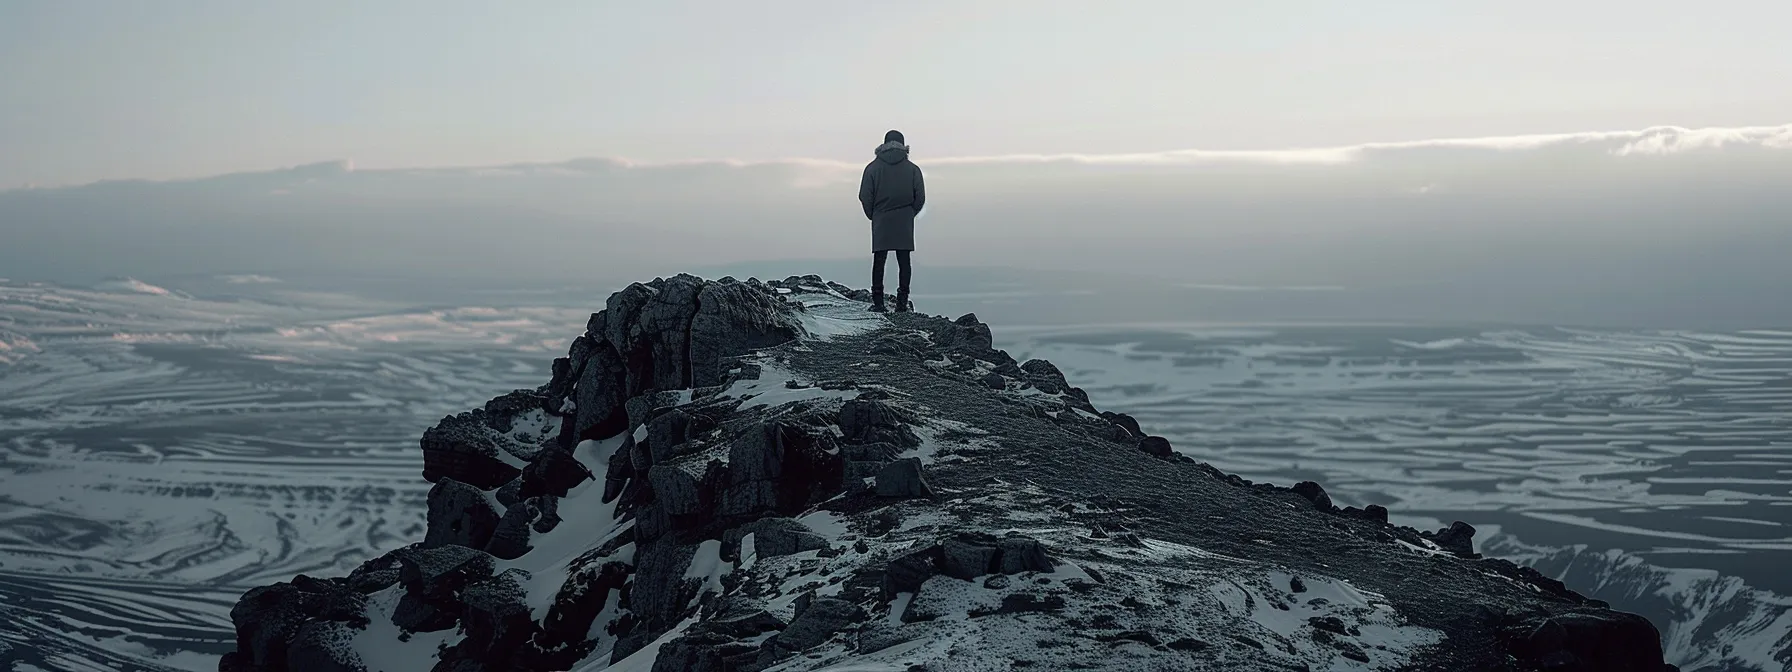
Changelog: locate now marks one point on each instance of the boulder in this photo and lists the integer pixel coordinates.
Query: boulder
(663, 328)
(1312, 492)
(547, 509)
(905, 574)
(459, 514)
(966, 334)
(1124, 421)
(1590, 640)
(675, 489)
(965, 559)
(1458, 539)
(773, 537)
(566, 372)
(779, 466)
(642, 407)
(1376, 512)
(374, 575)
(968, 556)
(903, 478)
(576, 605)
(463, 448)
(501, 412)
(660, 591)
(267, 619)
(666, 432)
(520, 523)
(856, 472)
(1156, 446)
(496, 619)
(324, 646)
(510, 493)
(640, 457)
(995, 381)
(478, 447)
(824, 617)
(740, 618)
(732, 319)
(553, 472)
(897, 346)
(441, 572)
(621, 328)
(1045, 376)
(1020, 554)
(416, 613)
(602, 389)
(619, 470)
(748, 624)
(858, 415)
(874, 421)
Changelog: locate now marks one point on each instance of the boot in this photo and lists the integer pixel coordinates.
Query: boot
(902, 301)
(877, 301)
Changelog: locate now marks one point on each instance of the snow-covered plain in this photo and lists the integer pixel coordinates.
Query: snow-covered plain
(161, 451)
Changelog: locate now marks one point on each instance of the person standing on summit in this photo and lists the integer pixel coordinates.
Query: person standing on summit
(892, 195)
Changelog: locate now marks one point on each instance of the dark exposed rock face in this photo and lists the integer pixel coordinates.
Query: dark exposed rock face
(553, 472)
(779, 467)
(734, 319)
(324, 646)
(903, 478)
(1458, 538)
(496, 619)
(521, 522)
(773, 537)
(1312, 492)
(601, 391)
(586, 593)
(823, 617)
(802, 521)
(1586, 640)
(461, 449)
(1156, 446)
(293, 621)
(459, 514)
(1125, 422)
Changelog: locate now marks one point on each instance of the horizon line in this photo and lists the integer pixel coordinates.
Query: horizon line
(1653, 140)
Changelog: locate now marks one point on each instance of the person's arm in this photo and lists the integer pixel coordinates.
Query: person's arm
(867, 190)
(920, 191)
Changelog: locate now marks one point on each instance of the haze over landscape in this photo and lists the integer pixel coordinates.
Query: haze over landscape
(1528, 158)
(1522, 265)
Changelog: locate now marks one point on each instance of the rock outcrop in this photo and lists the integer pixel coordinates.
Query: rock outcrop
(756, 475)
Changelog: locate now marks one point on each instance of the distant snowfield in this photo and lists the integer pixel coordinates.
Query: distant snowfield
(160, 452)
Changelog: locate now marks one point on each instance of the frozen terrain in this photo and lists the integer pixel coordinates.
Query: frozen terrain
(165, 450)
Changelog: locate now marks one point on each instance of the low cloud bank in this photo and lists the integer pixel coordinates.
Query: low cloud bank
(1662, 225)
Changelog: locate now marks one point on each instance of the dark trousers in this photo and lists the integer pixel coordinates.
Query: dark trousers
(903, 273)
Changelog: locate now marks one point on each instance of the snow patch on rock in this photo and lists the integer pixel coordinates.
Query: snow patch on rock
(384, 648)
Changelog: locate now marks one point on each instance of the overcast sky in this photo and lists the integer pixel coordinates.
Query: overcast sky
(98, 89)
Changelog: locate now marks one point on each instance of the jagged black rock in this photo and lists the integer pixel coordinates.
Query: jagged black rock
(727, 475)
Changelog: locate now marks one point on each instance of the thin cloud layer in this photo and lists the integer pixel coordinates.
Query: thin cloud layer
(1654, 141)
(1657, 140)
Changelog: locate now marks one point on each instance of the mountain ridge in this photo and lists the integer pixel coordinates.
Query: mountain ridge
(743, 475)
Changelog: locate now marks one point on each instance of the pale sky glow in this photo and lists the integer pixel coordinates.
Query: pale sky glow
(104, 90)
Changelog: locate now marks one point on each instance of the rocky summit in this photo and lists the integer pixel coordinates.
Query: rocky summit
(738, 476)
